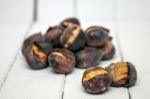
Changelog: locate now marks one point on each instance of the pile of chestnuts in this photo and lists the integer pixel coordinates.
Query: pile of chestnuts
(67, 45)
(120, 74)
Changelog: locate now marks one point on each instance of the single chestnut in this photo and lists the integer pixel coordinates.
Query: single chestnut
(96, 36)
(108, 50)
(66, 22)
(88, 57)
(96, 80)
(73, 38)
(53, 35)
(36, 54)
(62, 60)
(123, 74)
(30, 40)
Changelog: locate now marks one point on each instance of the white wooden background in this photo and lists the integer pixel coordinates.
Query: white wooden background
(128, 20)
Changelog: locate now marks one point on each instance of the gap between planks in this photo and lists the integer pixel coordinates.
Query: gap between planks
(4, 79)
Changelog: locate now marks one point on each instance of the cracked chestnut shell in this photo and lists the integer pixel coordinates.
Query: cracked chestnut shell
(96, 80)
(88, 57)
(65, 23)
(30, 40)
(96, 36)
(123, 74)
(73, 38)
(53, 35)
(36, 55)
(108, 51)
(62, 61)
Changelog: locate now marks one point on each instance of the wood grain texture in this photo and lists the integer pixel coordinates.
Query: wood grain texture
(73, 87)
(134, 39)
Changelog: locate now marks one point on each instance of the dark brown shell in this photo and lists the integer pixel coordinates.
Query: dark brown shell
(69, 21)
(79, 41)
(96, 36)
(97, 84)
(62, 64)
(53, 35)
(88, 57)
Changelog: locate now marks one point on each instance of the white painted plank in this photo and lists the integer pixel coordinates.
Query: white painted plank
(54, 10)
(73, 87)
(133, 9)
(95, 10)
(10, 40)
(16, 11)
(25, 83)
(134, 38)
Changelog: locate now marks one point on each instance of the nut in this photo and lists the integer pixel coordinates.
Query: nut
(96, 80)
(30, 40)
(73, 38)
(96, 36)
(108, 51)
(88, 57)
(65, 23)
(123, 74)
(53, 35)
(36, 55)
(62, 61)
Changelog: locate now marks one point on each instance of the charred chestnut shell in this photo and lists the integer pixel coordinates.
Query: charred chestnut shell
(30, 40)
(96, 36)
(123, 74)
(53, 35)
(108, 51)
(96, 80)
(36, 54)
(73, 38)
(62, 61)
(88, 57)
(65, 23)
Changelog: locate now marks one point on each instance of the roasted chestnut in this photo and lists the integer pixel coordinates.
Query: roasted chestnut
(30, 40)
(108, 51)
(88, 57)
(53, 35)
(36, 54)
(62, 61)
(73, 38)
(65, 23)
(96, 80)
(96, 36)
(123, 74)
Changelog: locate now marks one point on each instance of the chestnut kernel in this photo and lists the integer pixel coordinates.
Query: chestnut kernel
(65, 23)
(123, 74)
(96, 80)
(88, 57)
(36, 55)
(62, 61)
(30, 40)
(53, 35)
(108, 51)
(73, 38)
(96, 36)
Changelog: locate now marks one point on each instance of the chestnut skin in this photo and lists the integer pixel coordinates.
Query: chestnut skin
(62, 60)
(96, 36)
(96, 80)
(108, 51)
(123, 74)
(30, 40)
(53, 35)
(36, 55)
(66, 22)
(88, 57)
(73, 38)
